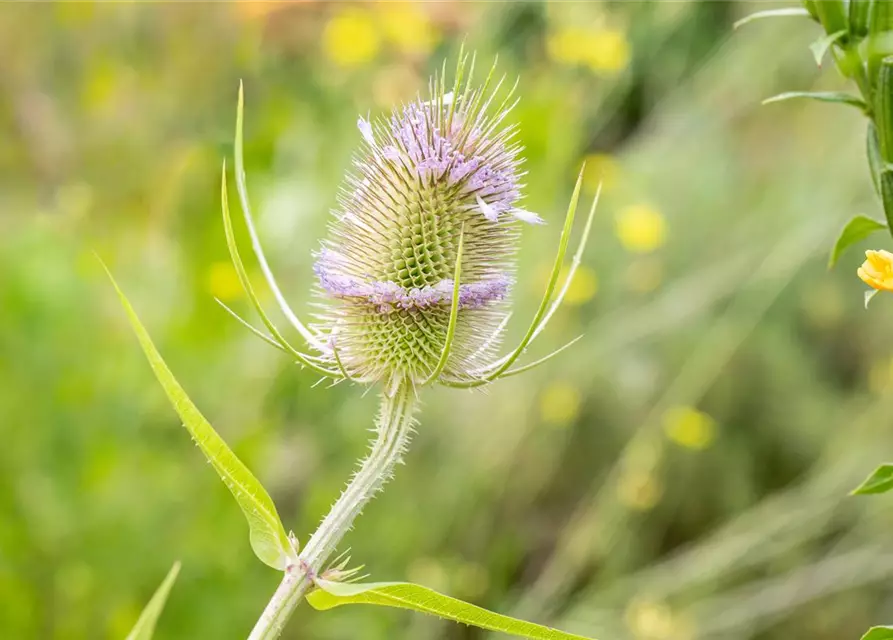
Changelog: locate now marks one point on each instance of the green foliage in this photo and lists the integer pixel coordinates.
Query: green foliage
(144, 628)
(880, 481)
(856, 230)
(832, 14)
(115, 119)
(879, 633)
(883, 108)
(821, 96)
(820, 47)
(859, 15)
(405, 595)
(267, 535)
(771, 13)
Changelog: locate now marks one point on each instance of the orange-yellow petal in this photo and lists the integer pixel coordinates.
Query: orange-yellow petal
(877, 270)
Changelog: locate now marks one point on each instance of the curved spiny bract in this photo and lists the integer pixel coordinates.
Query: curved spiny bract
(437, 172)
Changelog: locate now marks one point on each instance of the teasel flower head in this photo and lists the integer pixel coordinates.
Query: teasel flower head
(414, 277)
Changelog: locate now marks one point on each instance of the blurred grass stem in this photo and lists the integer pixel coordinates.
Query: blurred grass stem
(393, 429)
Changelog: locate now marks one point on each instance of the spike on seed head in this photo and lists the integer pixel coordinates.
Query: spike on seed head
(435, 172)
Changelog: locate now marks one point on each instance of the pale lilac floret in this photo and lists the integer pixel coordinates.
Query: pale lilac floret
(365, 128)
(459, 157)
(389, 296)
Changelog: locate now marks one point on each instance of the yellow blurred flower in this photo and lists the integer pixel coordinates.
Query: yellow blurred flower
(583, 287)
(601, 168)
(639, 490)
(641, 228)
(602, 49)
(690, 428)
(223, 282)
(350, 38)
(877, 270)
(407, 26)
(608, 51)
(655, 620)
(581, 290)
(560, 404)
(649, 619)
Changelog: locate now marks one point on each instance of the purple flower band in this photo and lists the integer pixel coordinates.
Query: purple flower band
(389, 296)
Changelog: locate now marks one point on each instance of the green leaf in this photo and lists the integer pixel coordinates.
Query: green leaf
(855, 231)
(859, 17)
(869, 295)
(879, 633)
(832, 14)
(415, 597)
(820, 47)
(771, 13)
(883, 108)
(267, 535)
(875, 161)
(821, 96)
(145, 626)
(880, 481)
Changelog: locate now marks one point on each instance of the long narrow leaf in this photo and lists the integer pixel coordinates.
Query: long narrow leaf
(144, 628)
(405, 595)
(266, 533)
(879, 633)
(880, 480)
(821, 96)
(771, 13)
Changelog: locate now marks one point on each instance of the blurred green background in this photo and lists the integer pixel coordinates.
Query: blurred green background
(681, 474)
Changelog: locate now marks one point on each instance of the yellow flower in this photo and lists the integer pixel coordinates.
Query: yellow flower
(649, 620)
(583, 287)
(603, 50)
(567, 45)
(223, 282)
(560, 404)
(607, 51)
(877, 270)
(601, 169)
(689, 427)
(408, 27)
(350, 38)
(640, 228)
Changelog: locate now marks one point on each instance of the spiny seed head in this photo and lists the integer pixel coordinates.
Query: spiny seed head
(437, 170)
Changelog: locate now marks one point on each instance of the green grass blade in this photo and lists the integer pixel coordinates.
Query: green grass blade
(144, 628)
(855, 231)
(404, 595)
(880, 481)
(821, 96)
(771, 13)
(879, 633)
(266, 533)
